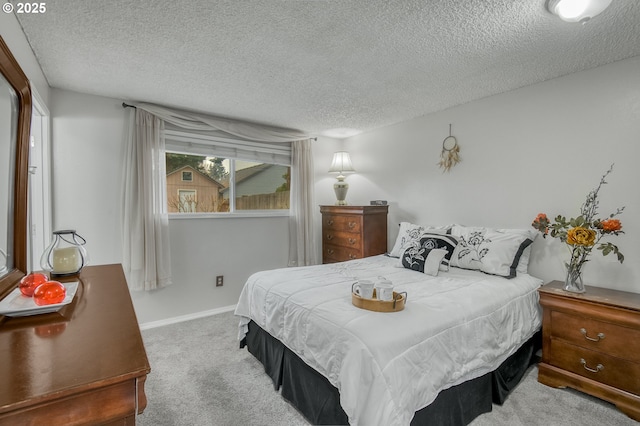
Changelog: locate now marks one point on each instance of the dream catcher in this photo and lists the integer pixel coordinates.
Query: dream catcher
(450, 155)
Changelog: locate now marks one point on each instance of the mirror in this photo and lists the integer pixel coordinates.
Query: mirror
(15, 121)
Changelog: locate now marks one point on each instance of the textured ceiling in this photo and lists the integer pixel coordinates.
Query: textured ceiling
(318, 64)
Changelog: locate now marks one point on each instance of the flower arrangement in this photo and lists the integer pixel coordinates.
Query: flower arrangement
(582, 234)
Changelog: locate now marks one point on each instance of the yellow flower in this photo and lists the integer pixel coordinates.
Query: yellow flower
(581, 236)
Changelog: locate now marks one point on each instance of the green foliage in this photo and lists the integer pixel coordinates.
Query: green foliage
(176, 161)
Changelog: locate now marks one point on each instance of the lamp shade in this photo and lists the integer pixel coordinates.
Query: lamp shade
(341, 163)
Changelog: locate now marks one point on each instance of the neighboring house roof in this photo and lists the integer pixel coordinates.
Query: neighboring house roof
(189, 168)
(246, 173)
(250, 171)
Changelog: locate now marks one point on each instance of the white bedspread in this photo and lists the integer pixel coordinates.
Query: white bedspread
(455, 327)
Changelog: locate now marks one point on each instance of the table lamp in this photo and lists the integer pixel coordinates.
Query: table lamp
(341, 164)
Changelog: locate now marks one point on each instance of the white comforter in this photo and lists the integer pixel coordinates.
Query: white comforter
(455, 327)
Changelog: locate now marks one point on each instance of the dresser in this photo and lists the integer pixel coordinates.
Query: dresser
(353, 232)
(83, 365)
(591, 342)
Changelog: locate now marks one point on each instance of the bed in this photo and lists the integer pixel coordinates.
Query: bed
(338, 363)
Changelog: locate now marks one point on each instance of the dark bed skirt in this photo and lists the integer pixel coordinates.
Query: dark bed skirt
(319, 401)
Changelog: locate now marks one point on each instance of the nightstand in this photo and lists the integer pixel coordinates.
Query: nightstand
(591, 342)
(353, 232)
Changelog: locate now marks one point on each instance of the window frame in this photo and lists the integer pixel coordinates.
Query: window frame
(187, 140)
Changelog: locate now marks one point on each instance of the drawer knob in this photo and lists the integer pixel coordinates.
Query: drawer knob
(599, 337)
(330, 222)
(593, 370)
(329, 237)
(330, 251)
(352, 241)
(352, 225)
(352, 256)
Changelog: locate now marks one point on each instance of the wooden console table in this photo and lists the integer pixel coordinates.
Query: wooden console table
(85, 364)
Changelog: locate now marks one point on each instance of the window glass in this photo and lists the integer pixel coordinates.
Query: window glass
(261, 186)
(220, 184)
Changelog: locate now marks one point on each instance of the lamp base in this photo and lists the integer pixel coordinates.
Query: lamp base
(340, 188)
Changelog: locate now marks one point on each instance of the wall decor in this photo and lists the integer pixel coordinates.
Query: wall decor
(450, 155)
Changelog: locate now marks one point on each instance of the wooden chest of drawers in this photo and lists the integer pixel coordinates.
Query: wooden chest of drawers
(353, 232)
(591, 342)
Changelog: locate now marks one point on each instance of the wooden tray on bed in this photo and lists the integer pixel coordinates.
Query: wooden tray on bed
(395, 305)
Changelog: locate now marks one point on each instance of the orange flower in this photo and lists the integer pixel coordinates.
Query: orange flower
(611, 225)
(541, 223)
(541, 217)
(581, 236)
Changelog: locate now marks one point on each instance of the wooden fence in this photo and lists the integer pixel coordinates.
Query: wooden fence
(273, 201)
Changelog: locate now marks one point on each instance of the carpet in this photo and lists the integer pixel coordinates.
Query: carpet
(199, 377)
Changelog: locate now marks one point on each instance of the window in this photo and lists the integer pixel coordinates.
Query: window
(226, 176)
(187, 201)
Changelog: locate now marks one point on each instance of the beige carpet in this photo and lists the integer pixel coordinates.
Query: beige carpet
(199, 377)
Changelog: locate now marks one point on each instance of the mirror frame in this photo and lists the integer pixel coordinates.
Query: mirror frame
(14, 75)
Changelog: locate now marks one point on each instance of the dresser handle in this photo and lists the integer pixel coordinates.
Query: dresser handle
(351, 225)
(352, 241)
(599, 367)
(329, 237)
(330, 251)
(330, 222)
(599, 337)
(352, 256)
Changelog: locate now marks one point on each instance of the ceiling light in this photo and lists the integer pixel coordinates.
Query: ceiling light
(577, 10)
(341, 133)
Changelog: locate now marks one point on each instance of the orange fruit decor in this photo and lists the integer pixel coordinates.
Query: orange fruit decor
(29, 283)
(49, 293)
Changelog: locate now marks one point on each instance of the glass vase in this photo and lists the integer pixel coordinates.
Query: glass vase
(573, 281)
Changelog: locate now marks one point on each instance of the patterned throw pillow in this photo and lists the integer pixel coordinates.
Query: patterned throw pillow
(493, 251)
(415, 255)
(410, 233)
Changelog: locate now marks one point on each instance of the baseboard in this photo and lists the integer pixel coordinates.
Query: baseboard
(196, 315)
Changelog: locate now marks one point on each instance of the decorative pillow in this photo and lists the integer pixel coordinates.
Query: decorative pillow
(410, 233)
(434, 261)
(523, 264)
(493, 251)
(415, 256)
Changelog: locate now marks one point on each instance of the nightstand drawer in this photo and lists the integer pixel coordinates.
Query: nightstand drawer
(333, 253)
(344, 239)
(615, 340)
(603, 368)
(346, 223)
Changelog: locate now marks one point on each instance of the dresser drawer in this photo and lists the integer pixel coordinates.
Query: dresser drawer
(333, 253)
(595, 365)
(340, 238)
(345, 223)
(621, 342)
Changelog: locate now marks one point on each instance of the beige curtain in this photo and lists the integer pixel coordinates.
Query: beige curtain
(146, 251)
(302, 246)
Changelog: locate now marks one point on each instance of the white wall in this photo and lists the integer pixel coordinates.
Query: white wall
(541, 148)
(88, 137)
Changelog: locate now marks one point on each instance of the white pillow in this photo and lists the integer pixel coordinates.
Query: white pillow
(410, 233)
(493, 251)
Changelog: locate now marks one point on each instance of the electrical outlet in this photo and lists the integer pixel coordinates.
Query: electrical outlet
(219, 280)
